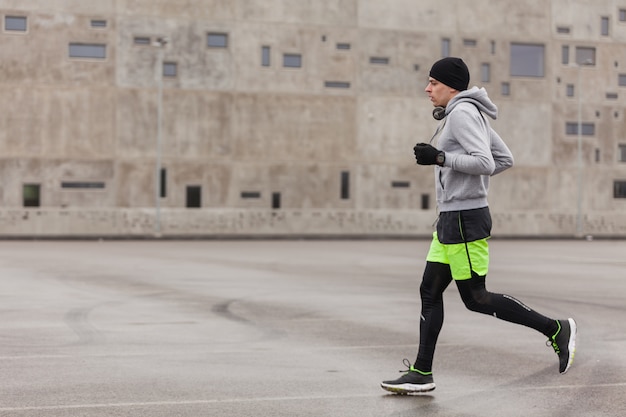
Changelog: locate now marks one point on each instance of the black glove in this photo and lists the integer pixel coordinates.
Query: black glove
(426, 154)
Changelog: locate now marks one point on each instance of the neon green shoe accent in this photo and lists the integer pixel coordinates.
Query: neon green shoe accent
(552, 340)
(418, 371)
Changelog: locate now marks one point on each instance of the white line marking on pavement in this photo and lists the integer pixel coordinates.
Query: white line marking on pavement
(174, 403)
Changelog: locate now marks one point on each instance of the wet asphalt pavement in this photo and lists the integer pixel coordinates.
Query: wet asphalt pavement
(297, 328)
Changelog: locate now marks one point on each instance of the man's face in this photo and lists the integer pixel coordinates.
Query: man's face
(439, 93)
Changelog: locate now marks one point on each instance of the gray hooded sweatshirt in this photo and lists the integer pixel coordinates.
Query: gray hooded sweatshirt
(474, 152)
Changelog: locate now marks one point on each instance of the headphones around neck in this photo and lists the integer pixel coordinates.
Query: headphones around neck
(439, 113)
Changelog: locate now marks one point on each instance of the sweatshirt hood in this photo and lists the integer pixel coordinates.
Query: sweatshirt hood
(478, 97)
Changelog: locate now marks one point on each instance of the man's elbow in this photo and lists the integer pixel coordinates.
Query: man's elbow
(507, 162)
(502, 164)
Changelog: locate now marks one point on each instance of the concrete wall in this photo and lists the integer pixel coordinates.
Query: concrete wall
(231, 125)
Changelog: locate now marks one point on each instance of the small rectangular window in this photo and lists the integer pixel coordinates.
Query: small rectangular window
(612, 96)
(275, 201)
(563, 30)
(621, 80)
(445, 47)
(15, 23)
(336, 84)
(142, 40)
(265, 56)
(585, 55)
(163, 183)
(343, 46)
(194, 196)
(31, 195)
(505, 89)
(89, 185)
(292, 60)
(571, 128)
(98, 23)
(527, 60)
(565, 54)
(485, 72)
(622, 15)
(587, 129)
(87, 50)
(493, 47)
(622, 152)
(345, 185)
(250, 194)
(569, 90)
(379, 60)
(469, 42)
(598, 155)
(619, 189)
(425, 201)
(400, 184)
(170, 69)
(604, 26)
(217, 40)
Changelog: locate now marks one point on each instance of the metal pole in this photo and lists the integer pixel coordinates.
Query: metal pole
(579, 222)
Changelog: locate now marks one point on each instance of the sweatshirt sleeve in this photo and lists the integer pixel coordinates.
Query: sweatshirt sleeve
(502, 156)
(472, 134)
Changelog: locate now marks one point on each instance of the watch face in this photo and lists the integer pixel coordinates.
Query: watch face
(441, 158)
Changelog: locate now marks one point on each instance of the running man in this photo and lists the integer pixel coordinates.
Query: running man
(468, 152)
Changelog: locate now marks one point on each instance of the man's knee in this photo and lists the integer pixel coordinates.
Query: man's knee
(435, 280)
(475, 304)
(475, 299)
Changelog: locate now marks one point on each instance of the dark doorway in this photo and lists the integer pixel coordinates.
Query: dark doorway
(275, 200)
(194, 196)
(31, 195)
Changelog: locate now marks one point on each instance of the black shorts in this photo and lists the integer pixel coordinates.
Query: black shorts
(463, 226)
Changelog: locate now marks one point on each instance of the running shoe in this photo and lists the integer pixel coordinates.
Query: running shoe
(412, 381)
(564, 343)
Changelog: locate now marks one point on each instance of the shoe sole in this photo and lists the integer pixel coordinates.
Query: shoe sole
(571, 345)
(405, 389)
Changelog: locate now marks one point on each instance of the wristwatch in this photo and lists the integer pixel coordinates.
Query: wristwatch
(441, 158)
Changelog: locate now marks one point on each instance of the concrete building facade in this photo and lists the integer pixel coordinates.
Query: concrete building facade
(293, 117)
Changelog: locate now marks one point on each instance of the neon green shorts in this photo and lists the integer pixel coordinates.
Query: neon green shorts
(463, 258)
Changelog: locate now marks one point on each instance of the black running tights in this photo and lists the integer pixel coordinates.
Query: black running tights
(476, 298)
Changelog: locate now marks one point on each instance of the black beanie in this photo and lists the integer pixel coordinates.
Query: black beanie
(452, 72)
